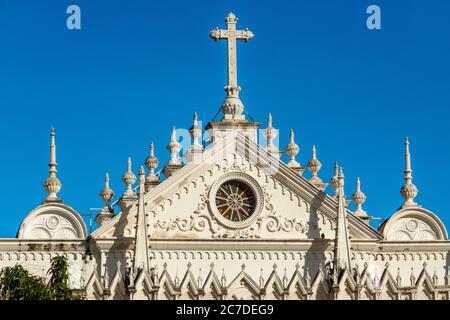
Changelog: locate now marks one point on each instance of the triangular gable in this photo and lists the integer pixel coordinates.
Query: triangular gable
(179, 184)
(167, 286)
(243, 279)
(297, 285)
(189, 285)
(94, 287)
(212, 285)
(117, 286)
(274, 287)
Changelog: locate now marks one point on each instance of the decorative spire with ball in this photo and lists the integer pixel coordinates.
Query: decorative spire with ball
(359, 198)
(151, 162)
(52, 185)
(292, 150)
(409, 190)
(271, 134)
(107, 194)
(174, 148)
(314, 166)
(129, 178)
(334, 181)
(195, 150)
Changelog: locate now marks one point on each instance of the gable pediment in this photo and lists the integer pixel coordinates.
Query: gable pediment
(289, 206)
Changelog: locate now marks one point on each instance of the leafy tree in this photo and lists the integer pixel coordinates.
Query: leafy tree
(16, 283)
(59, 280)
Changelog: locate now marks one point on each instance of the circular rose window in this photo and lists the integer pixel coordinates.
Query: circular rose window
(236, 199)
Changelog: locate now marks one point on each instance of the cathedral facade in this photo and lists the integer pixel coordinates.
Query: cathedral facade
(231, 220)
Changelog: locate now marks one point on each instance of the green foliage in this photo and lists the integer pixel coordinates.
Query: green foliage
(16, 283)
(59, 280)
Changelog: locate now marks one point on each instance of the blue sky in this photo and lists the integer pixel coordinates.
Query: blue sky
(138, 67)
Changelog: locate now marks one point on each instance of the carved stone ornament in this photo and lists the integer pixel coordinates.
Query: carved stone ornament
(53, 221)
(230, 185)
(208, 218)
(411, 229)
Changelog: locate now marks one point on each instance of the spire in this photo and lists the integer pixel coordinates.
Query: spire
(107, 194)
(412, 278)
(175, 162)
(174, 148)
(342, 250)
(359, 198)
(271, 134)
(141, 258)
(223, 279)
(261, 279)
(314, 166)
(141, 176)
(151, 163)
(292, 150)
(129, 178)
(409, 190)
(334, 180)
(398, 278)
(195, 150)
(285, 279)
(52, 185)
(196, 132)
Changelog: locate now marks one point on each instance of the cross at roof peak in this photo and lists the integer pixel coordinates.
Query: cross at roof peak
(232, 106)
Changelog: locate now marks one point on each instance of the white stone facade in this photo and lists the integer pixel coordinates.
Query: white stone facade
(276, 235)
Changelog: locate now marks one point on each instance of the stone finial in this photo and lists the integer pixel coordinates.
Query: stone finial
(129, 178)
(314, 166)
(107, 194)
(292, 150)
(261, 279)
(409, 190)
(341, 177)
(174, 163)
(223, 279)
(177, 279)
(200, 279)
(195, 151)
(399, 278)
(174, 148)
(141, 176)
(271, 134)
(412, 278)
(155, 274)
(196, 132)
(231, 18)
(435, 277)
(285, 279)
(359, 198)
(52, 185)
(151, 162)
(334, 180)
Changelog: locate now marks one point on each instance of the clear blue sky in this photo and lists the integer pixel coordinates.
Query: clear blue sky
(138, 67)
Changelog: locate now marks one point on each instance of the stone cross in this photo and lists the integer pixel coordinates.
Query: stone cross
(231, 35)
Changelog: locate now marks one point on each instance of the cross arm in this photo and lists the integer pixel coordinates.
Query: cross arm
(220, 34)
